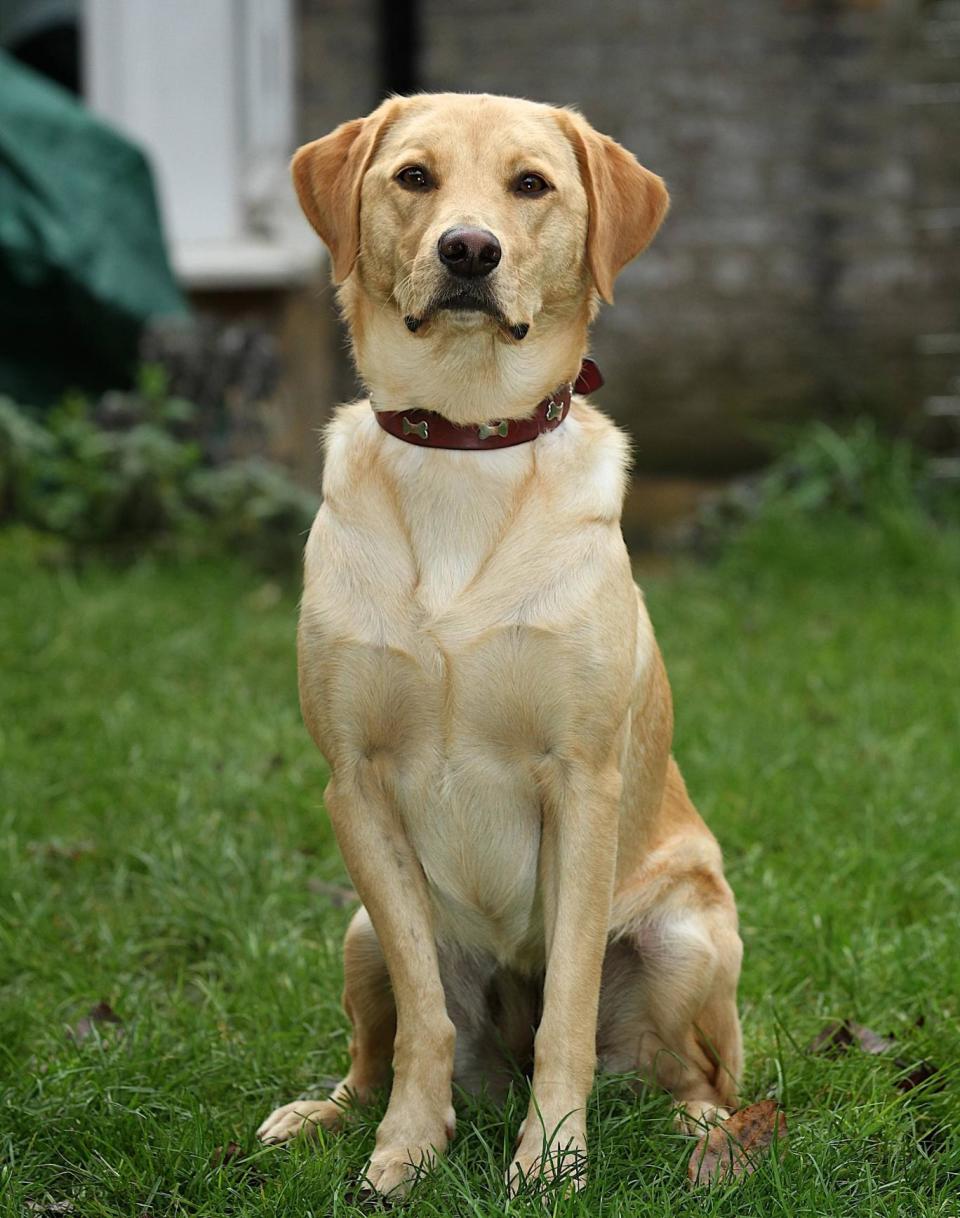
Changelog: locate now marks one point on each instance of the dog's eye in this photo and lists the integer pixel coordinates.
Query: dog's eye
(414, 177)
(531, 184)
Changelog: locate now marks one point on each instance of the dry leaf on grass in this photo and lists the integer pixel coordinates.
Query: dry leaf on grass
(838, 1037)
(56, 850)
(917, 1074)
(733, 1147)
(225, 1154)
(234, 1157)
(103, 1012)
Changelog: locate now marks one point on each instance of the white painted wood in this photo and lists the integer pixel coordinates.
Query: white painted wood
(247, 263)
(943, 406)
(266, 100)
(206, 88)
(165, 74)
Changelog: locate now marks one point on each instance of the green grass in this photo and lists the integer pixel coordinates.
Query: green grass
(163, 847)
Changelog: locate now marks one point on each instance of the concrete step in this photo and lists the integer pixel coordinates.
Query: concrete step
(942, 406)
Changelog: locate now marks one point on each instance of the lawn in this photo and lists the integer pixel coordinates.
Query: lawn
(163, 849)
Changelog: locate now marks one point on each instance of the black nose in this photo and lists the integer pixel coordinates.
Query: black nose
(470, 252)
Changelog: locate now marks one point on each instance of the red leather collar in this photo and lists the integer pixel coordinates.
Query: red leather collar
(427, 429)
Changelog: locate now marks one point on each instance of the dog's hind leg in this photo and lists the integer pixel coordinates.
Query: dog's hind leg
(668, 1008)
(368, 1001)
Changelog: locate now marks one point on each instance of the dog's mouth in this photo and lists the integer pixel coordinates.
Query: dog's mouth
(472, 299)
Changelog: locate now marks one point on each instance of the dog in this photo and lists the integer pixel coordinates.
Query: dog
(476, 663)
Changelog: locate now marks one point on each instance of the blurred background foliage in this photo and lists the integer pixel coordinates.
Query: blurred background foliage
(142, 469)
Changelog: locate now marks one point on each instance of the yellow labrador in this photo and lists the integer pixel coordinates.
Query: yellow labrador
(476, 663)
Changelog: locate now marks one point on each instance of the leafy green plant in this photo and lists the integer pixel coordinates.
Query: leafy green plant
(137, 468)
(824, 475)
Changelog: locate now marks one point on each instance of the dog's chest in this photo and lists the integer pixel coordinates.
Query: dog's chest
(470, 800)
(464, 761)
(474, 824)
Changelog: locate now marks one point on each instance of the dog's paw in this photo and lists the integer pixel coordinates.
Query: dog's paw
(397, 1162)
(392, 1171)
(559, 1164)
(696, 1117)
(302, 1116)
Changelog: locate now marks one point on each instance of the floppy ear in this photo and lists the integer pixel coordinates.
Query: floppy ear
(627, 202)
(327, 176)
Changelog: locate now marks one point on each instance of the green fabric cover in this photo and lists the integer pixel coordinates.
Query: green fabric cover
(82, 258)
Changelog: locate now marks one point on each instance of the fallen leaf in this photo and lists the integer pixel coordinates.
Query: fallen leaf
(917, 1074)
(225, 1154)
(338, 895)
(870, 1041)
(245, 1168)
(732, 1148)
(831, 1039)
(55, 850)
(103, 1012)
(837, 1036)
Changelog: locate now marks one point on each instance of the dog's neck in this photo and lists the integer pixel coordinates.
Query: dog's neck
(468, 372)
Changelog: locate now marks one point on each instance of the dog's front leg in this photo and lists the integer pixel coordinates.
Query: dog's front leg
(577, 863)
(419, 1120)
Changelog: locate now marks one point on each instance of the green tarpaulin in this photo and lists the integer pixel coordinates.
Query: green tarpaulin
(82, 259)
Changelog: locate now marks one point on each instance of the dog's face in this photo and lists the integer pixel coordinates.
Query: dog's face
(473, 208)
(472, 212)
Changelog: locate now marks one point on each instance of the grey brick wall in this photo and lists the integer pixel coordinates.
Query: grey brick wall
(809, 265)
(336, 63)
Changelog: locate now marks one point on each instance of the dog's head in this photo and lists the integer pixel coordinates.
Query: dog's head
(455, 214)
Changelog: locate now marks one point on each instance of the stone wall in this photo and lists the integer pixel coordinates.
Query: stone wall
(809, 265)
